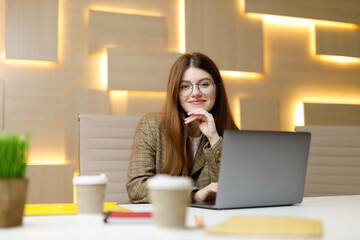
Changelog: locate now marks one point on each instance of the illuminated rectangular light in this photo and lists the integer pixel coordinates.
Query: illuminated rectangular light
(27, 62)
(237, 74)
(182, 47)
(341, 59)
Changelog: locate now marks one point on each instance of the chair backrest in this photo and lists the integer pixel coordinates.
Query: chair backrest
(334, 160)
(105, 147)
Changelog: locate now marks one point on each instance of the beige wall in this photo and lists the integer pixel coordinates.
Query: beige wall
(36, 92)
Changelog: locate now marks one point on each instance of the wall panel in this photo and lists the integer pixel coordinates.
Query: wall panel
(167, 9)
(139, 70)
(331, 39)
(140, 103)
(232, 40)
(331, 114)
(338, 41)
(109, 29)
(50, 183)
(32, 30)
(259, 114)
(294, 75)
(347, 11)
(36, 109)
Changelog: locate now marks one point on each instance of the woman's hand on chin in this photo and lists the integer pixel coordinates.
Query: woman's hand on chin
(205, 122)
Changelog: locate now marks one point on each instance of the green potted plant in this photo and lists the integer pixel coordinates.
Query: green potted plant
(13, 184)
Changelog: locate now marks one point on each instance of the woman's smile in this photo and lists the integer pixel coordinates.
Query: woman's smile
(197, 101)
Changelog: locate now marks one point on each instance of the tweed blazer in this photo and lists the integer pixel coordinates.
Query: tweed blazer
(148, 158)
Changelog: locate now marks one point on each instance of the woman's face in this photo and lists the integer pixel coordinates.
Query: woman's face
(203, 92)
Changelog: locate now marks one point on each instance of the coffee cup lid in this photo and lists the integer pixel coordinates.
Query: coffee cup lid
(90, 179)
(167, 182)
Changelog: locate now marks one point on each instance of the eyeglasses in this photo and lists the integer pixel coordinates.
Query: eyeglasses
(205, 86)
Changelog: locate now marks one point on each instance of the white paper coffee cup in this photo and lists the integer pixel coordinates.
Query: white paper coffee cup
(170, 197)
(90, 193)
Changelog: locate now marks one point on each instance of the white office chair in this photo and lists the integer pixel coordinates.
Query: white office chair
(105, 147)
(334, 160)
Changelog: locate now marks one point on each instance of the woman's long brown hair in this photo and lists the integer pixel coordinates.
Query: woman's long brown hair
(179, 157)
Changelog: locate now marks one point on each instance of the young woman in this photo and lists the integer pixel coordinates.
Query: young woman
(185, 139)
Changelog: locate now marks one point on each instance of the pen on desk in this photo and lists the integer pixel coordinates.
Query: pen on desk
(199, 221)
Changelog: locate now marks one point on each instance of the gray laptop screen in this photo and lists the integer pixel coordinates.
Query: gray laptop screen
(262, 168)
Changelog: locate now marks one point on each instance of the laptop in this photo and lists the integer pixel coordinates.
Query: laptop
(261, 168)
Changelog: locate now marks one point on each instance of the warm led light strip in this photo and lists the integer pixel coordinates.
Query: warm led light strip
(237, 74)
(25, 61)
(127, 11)
(47, 162)
(341, 59)
(301, 21)
(104, 71)
(299, 114)
(236, 111)
(182, 45)
(118, 93)
(124, 94)
(287, 20)
(61, 21)
(147, 94)
(335, 24)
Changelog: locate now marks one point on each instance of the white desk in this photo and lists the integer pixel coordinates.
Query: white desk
(340, 216)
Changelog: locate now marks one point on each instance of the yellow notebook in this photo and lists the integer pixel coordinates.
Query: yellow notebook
(64, 208)
(271, 226)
